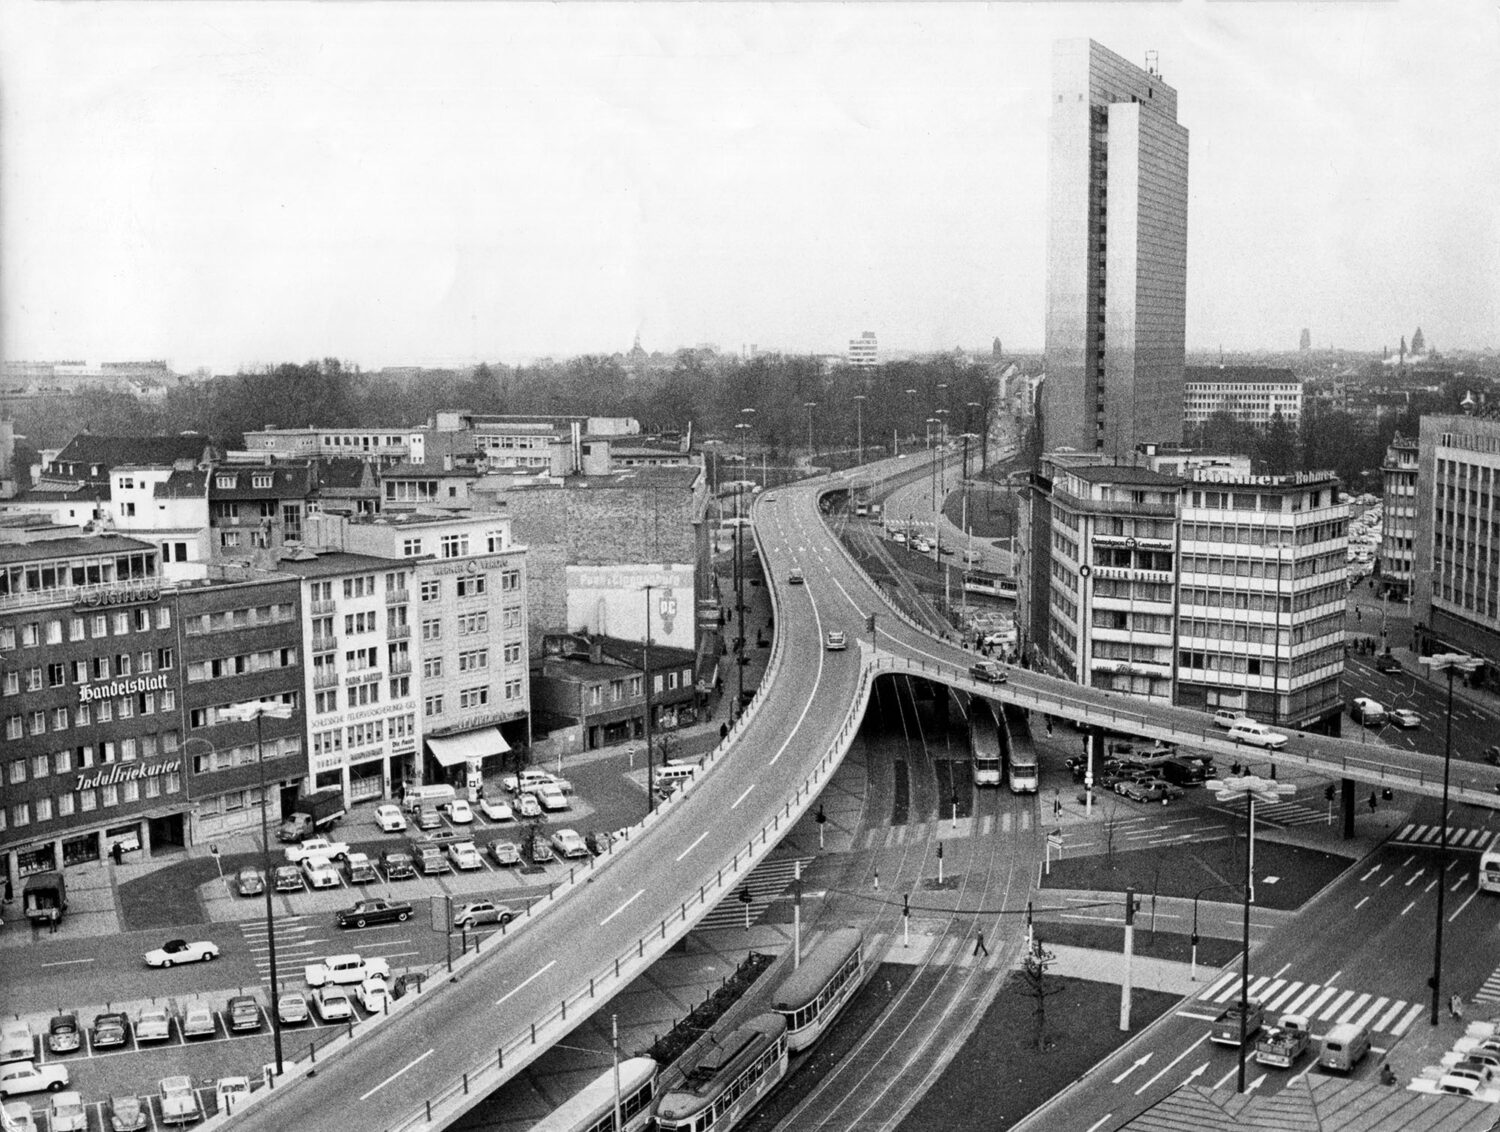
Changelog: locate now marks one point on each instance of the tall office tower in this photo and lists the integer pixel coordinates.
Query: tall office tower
(1116, 255)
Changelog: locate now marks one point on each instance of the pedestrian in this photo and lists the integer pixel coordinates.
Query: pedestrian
(981, 949)
(1358, 615)
(117, 851)
(723, 731)
(55, 914)
(1456, 1007)
(1049, 726)
(1372, 801)
(1057, 803)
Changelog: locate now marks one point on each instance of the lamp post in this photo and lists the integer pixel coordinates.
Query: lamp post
(258, 710)
(910, 403)
(1449, 662)
(1252, 788)
(969, 427)
(859, 426)
(809, 406)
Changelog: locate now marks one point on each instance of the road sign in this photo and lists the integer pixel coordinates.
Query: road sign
(213, 848)
(1054, 839)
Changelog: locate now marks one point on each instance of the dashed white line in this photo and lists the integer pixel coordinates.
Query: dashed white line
(693, 846)
(639, 893)
(535, 975)
(741, 798)
(393, 1076)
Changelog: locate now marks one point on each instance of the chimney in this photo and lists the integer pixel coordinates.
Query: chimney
(596, 652)
(448, 462)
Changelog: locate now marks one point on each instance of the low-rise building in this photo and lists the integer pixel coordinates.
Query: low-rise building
(597, 685)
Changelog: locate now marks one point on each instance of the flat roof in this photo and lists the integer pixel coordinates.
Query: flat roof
(1123, 473)
(339, 562)
(1238, 375)
(71, 548)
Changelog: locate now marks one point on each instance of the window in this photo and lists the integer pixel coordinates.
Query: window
(54, 632)
(59, 719)
(512, 652)
(513, 689)
(400, 687)
(411, 548)
(17, 773)
(10, 683)
(325, 702)
(470, 623)
(431, 591)
(13, 729)
(432, 630)
(471, 587)
(510, 580)
(38, 723)
(454, 546)
(473, 697)
(432, 705)
(122, 623)
(476, 660)
(31, 634)
(34, 679)
(82, 716)
(432, 667)
(512, 617)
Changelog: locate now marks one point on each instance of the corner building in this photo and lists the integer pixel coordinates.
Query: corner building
(1116, 314)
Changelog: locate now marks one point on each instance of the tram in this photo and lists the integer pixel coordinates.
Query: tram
(812, 996)
(730, 1078)
(592, 1109)
(984, 745)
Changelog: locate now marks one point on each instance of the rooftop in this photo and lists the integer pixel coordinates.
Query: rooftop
(1238, 375)
(1123, 473)
(44, 549)
(315, 564)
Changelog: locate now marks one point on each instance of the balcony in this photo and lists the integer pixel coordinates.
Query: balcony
(323, 607)
(325, 678)
(397, 597)
(398, 632)
(323, 644)
(401, 666)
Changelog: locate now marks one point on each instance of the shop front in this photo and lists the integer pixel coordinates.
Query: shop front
(477, 752)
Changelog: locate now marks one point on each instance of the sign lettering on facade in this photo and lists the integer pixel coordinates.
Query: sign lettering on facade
(126, 772)
(88, 693)
(119, 595)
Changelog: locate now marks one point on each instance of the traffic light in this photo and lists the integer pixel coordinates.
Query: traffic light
(870, 622)
(1385, 794)
(1328, 792)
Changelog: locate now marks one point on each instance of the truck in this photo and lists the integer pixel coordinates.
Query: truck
(1282, 1044)
(313, 813)
(1226, 1031)
(45, 897)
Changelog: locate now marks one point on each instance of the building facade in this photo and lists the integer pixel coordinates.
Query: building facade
(864, 351)
(1456, 567)
(1399, 517)
(1116, 255)
(1253, 395)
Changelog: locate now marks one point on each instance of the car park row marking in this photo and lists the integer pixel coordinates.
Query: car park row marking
(1460, 837)
(1319, 1002)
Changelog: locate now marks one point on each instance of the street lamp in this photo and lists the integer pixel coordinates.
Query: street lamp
(244, 713)
(859, 425)
(1449, 662)
(1252, 788)
(969, 427)
(910, 401)
(744, 427)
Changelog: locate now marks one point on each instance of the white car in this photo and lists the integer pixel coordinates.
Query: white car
(229, 1092)
(836, 640)
(567, 843)
(496, 811)
(66, 1113)
(332, 1003)
(1226, 719)
(176, 951)
(459, 812)
(464, 855)
(320, 872)
(179, 1101)
(18, 1077)
(18, 1117)
(528, 807)
(153, 1024)
(388, 817)
(478, 912)
(551, 797)
(529, 780)
(1406, 718)
(1257, 735)
(317, 847)
(346, 970)
(373, 995)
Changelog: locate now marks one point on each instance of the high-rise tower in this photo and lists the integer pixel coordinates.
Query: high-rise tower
(1116, 254)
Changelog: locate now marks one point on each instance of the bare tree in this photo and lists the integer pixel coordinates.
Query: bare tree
(1039, 986)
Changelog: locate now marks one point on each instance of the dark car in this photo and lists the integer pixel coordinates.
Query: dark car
(243, 1013)
(368, 912)
(63, 1034)
(289, 879)
(109, 1029)
(598, 842)
(1385, 662)
(397, 866)
(541, 849)
(505, 852)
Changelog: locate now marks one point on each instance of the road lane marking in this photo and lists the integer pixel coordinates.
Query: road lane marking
(1275, 1003)
(1316, 1004)
(1354, 1008)
(1414, 878)
(1369, 874)
(1362, 902)
(1103, 1120)
(1218, 985)
(1456, 885)
(1409, 907)
(1462, 906)
(741, 798)
(67, 962)
(1336, 1005)
(1380, 1004)
(521, 985)
(1406, 1020)
(693, 846)
(1171, 1063)
(639, 893)
(1140, 1061)
(1294, 1004)
(1430, 886)
(1390, 1015)
(1281, 972)
(393, 1076)
(1387, 880)
(1410, 859)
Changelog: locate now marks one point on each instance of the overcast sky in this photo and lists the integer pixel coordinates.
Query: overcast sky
(230, 184)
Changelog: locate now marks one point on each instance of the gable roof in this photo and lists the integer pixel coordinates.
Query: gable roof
(105, 452)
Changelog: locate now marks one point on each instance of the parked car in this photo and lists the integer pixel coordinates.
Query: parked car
(198, 1020)
(317, 847)
(373, 995)
(320, 872)
(541, 851)
(528, 807)
(153, 1024)
(345, 970)
(1226, 718)
(110, 1028)
(332, 1003)
(291, 1008)
(496, 810)
(459, 812)
(531, 778)
(126, 1114)
(388, 818)
(397, 866)
(431, 862)
(176, 951)
(427, 818)
(360, 869)
(367, 913)
(478, 912)
(229, 1092)
(66, 1113)
(836, 641)
(465, 856)
(20, 1077)
(551, 797)
(1387, 663)
(598, 842)
(288, 878)
(178, 1100)
(19, 1118)
(567, 843)
(505, 852)
(243, 1013)
(63, 1033)
(1406, 718)
(250, 882)
(16, 1042)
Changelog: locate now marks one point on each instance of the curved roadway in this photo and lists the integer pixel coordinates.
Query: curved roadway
(630, 907)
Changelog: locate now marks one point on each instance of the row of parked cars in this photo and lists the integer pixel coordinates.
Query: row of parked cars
(176, 1096)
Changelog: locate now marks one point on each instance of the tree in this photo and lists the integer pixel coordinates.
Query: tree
(1039, 986)
(1417, 343)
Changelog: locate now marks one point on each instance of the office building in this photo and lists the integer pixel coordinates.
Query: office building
(1116, 255)
(1398, 541)
(1252, 395)
(864, 351)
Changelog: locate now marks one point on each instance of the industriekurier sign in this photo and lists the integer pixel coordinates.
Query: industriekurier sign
(88, 693)
(116, 773)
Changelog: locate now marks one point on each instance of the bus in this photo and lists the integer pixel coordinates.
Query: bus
(732, 1075)
(812, 996)
(984, 745)
(992, 584)
(592, 1109)
(1489, 871)
(1021, 755)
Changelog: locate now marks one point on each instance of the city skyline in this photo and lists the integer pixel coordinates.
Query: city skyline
(236, 186)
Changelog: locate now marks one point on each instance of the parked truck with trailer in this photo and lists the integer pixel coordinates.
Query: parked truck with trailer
(313, 813)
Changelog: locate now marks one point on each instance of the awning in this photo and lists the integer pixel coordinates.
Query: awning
(451, 750)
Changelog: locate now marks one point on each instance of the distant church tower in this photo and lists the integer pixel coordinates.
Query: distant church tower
(1306, 343)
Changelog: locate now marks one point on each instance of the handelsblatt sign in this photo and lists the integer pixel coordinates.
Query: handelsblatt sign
(88, 693)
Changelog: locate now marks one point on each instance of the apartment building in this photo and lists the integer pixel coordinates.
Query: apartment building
(1398, 475)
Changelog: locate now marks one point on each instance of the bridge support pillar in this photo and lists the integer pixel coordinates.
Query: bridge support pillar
(1346, 806)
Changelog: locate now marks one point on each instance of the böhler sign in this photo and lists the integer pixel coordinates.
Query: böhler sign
(126, 772)
(88, 693)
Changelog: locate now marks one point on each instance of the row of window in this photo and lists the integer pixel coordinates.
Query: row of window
(86, 801)
(228, 620)
(212, 714)
(264, 661)
(469, 698)
(86, 755)
(56, 719)
(57, 673)
(359, 695)
(82, 627)
(247, 754)
(41, 577)
(368, 734)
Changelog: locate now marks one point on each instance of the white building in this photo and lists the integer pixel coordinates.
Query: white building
(864, 351)
(1253, 395)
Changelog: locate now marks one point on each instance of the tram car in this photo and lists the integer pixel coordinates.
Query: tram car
(812, 996)
(592, 1109)
(732, 1075)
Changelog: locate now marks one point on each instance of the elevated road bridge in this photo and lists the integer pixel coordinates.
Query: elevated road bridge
(442, 1051)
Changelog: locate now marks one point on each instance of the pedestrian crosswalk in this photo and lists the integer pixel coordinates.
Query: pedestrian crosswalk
(1490, 992)
(1281, 813)
(1319, 1003)
(1459, 837)
(767, 882)
(914, 833)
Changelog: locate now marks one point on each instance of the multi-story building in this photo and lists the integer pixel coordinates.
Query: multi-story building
(1116, 255)
(90, 713)
(257, 507)
(864, 351)
(1399, 519)
(1456, 567)
(1261, 595)
(379, 444)
(168, 506)
(596, 685)
(1253, 395)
